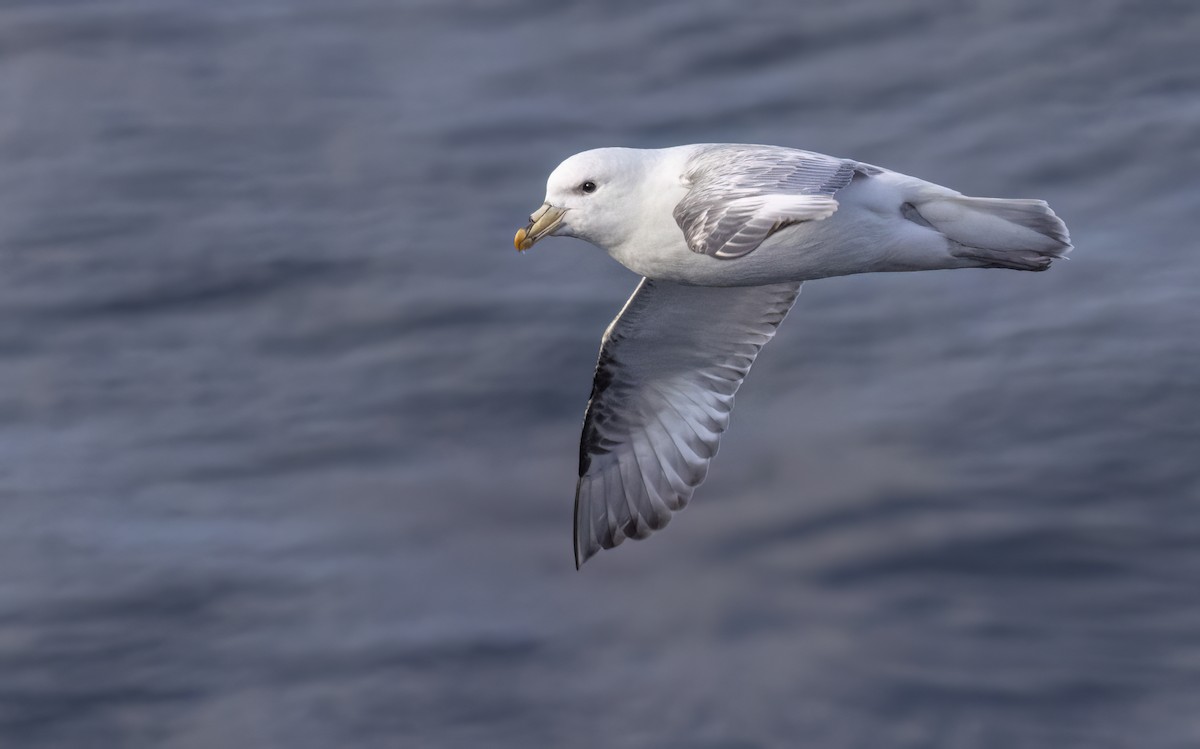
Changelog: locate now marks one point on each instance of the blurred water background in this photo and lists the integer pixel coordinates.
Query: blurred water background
(288, 431)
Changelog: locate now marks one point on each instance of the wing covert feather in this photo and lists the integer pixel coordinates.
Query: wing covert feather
(740, 195)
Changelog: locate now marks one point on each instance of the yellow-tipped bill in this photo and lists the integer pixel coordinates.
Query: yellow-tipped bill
(543, 221)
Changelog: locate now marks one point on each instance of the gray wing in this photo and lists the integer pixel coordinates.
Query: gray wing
(669, 366)
(740, 195)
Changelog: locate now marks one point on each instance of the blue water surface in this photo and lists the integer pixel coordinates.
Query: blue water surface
(288, 430)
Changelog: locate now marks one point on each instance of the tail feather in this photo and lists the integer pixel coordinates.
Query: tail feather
(998, 233)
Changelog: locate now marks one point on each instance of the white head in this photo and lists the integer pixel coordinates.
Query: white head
(591, 196)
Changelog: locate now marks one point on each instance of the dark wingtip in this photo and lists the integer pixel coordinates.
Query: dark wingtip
(575, 529)
(581, 554)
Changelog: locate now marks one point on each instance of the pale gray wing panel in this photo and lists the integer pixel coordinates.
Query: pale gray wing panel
(740, 195)
(669, 366)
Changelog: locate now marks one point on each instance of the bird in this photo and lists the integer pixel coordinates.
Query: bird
(723, 236)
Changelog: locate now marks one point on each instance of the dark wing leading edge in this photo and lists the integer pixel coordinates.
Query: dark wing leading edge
(670, 364)
(740, 195)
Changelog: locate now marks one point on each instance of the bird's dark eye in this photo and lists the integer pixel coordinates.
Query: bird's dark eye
(588, 186)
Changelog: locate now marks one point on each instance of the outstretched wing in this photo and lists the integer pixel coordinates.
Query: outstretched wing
(670, 364)
(740, 195)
